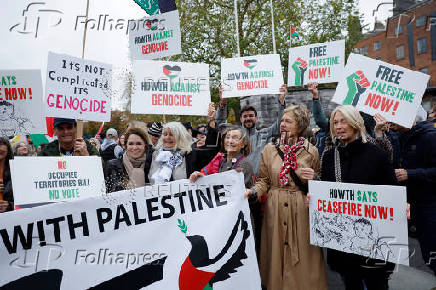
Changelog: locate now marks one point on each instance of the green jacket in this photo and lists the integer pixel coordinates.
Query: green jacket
(52, 149)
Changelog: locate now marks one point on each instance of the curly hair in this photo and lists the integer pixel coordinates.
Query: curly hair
(244, 137)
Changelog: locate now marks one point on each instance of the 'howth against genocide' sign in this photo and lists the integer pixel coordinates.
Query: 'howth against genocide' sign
(21, 108)
(171, 88)
(319, 62)
(251, 75)
(78, 88)
(368, 220)
(175, 235)
(156, 36)
(374, 86)
(41, 180)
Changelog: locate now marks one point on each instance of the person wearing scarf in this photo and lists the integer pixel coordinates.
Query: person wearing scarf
(287, 260)
(354, 159)
(131, 171)
(172, 158)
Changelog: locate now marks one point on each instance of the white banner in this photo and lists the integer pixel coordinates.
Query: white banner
(78, 88)
(374, 86)
(171, 88)
(319, 62)
(21, 107)
(251, 75)
(156, 36)
(170, 236)
(368, 220)
(41, 180)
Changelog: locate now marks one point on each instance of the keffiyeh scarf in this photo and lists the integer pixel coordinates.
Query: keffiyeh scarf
(290, 161)
(168, 161)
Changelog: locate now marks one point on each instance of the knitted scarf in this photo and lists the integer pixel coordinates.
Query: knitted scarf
(135, 171)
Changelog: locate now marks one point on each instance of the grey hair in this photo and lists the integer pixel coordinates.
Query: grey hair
(181, 135)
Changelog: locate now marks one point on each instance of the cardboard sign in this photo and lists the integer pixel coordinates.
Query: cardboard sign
(42, 180)
(156, 37)
(78, 88)
(368, 220)
(374, 86)
(251, 75)
(163, 87)
(316, 63)
(21, 107)
(176, 235)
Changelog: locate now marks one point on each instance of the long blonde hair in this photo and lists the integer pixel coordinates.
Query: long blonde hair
(354, 119)
(181, 135)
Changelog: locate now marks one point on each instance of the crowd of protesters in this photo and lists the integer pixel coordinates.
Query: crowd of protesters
(277, 163)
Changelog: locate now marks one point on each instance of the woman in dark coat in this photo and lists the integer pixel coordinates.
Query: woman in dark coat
(353, 159)
(131, 171)
(6, 195)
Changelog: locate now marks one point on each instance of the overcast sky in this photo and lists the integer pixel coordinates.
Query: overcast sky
(20, 49)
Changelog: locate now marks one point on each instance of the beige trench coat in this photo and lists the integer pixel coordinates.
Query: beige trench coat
(287, 260)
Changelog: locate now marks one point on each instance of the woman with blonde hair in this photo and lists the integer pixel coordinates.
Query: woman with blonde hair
(355, 159)
(287, 260)
(172, 158)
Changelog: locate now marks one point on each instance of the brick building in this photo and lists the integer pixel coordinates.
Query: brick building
(408, 40)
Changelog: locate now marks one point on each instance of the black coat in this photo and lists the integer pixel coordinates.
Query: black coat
(363, 163)
(418, 157)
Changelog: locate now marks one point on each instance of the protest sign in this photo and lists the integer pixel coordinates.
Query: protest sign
(21, 107)
(374, 86)
(156, 37)
(156, 6)
(368, 220)
(163, 87)
(42, 180)
(251, 75)
(78, 88)
(176, 235)
(319, 62)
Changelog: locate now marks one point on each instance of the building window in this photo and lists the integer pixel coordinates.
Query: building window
(399, 29)
(355, 50)
(421, 44)
(377, 45)
(424, 70)
(400, 52)
(364, 50)
(421, 21)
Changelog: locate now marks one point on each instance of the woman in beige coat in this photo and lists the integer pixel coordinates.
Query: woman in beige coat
(287, 260)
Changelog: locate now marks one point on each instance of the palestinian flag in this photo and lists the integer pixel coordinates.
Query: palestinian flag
(154, 7)
(171, 71)
(294, 33)
(152, 24)
(250, 63)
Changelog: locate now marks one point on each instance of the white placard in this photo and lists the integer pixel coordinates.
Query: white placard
(156, 36)
(368, 220)
(78, 88)
(251, 75)
(171, 88)
(170, 236)
(319, 62)
(42, 180)
(21, 107)
(374, 86)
